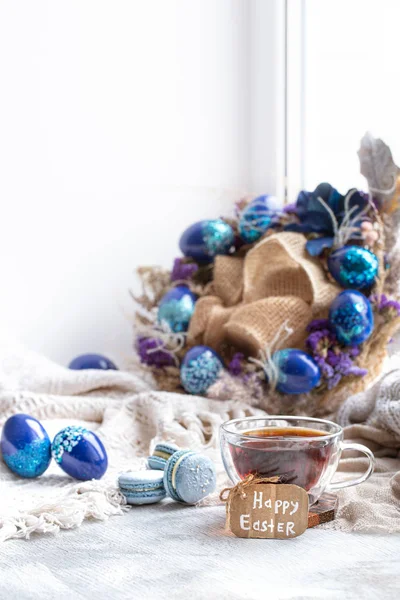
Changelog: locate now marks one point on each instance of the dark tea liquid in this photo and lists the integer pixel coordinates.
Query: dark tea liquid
(265, 454)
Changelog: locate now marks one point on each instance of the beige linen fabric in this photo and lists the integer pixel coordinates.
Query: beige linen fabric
(253, 296)
(292, 272)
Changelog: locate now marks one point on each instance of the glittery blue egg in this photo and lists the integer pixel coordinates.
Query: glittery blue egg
(352, 318)
(176, 308)
(25, 446)
(200, 368)
(205, 239)
(91, 361)
(298, 373)
(256, 217)
(80, 453)
(353, 267)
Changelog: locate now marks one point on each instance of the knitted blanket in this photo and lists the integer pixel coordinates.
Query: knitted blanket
(125, 411)
(131, 417)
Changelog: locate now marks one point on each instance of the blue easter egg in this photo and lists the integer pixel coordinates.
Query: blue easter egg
(80, 453)
(353, 267)
(256, 217)
(205, 239)
(352, 318)
(200, 368)
(176, 308)
(91, 361)
(25, 446)
(298, 372)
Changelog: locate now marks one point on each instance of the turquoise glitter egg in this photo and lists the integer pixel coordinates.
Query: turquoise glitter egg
(176, 308)
(80, 453)
(298, 373)
(257, 216)
(25, 446)
(203, 240)
(353, 267)
(352, 318)
(200, 368)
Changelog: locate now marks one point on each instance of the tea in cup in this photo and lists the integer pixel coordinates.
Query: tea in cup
(300, 450)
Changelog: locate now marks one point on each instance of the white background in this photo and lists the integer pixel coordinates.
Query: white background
(351, 84)
(121, 123)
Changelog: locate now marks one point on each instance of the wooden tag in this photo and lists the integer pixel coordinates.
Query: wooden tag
(267, 510)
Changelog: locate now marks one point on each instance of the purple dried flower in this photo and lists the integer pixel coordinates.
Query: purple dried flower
(150, 354)
(353, 351)
(313, 341)
(357, 371)
(344, 364)
(318, 324)
(183, 271)
(290, 208)
(383, 303)
(333, 381)
(235, 367)
(320, 341)
(333, 360)
(326, 369)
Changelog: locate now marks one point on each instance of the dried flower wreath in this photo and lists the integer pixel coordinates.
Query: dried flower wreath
(289, 307)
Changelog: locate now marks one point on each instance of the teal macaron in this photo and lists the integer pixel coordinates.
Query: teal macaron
(161, 453)
(142, 487)
(189, 476)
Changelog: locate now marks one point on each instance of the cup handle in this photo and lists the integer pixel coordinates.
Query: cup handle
(348, 483)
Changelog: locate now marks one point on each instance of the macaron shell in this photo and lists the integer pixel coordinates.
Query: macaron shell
(142, 487)
(156, 463)
(165, 450)
(194, 478)
(139, 480)
(169, 473)
(138, 498)
(161, 453)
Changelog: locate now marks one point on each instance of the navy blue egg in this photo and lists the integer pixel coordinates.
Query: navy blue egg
(25, 446)
(205, 239)
(200, 368)
(91, 361)
(298, 373)
(353, 267)
(80, 453)
(176, 308)
(256, 217)
(352, 318)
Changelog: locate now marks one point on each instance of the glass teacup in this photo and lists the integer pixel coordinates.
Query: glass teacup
(300, 450)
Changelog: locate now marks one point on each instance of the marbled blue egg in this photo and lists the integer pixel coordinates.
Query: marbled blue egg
(352, 318)
(200, 368)
(91, 361)
(25, 446)
(80, 453)
(298, 372)
(257, 216)
(205, 239)
(353, 267)
(176, 308)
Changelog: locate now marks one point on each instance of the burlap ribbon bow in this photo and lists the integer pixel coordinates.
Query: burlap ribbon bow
(277, 282)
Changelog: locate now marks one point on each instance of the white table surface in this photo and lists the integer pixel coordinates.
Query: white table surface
(172, 552)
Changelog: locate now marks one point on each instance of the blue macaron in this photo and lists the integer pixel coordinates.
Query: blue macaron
(142, 487)
(161, 453)
(189, 476)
